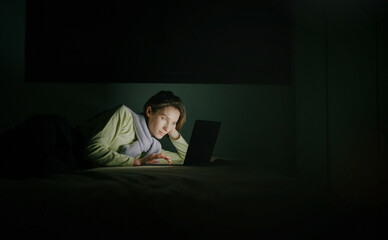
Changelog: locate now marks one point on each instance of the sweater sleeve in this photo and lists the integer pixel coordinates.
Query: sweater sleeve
(177, 157)
(99, 150)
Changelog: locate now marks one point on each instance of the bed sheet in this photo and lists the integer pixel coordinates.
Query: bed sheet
(182, 202)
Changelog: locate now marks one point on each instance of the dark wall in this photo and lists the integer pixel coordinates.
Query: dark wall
(341, 86)
(258, 122)
(159, 41)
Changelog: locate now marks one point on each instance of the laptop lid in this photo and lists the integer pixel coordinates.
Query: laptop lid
(202, 142)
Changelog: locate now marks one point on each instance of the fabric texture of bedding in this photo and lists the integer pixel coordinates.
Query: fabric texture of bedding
(40, 145)
(175, 202)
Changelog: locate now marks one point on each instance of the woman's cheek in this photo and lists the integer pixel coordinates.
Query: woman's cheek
(153, 129)
(158, 125)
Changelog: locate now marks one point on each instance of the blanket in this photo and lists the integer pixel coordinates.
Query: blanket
(161, 202)
(40, 145)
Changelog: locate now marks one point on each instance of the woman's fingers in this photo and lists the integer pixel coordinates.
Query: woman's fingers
(165, 157)
(153, 158)
(153, 162)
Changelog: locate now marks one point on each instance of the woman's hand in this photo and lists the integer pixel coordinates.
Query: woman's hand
(151, 159)
(174, 134)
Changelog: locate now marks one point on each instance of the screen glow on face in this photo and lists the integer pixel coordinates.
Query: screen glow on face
(162, 121)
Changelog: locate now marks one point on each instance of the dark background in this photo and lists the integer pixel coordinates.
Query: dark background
(159, 41)
(326, 127)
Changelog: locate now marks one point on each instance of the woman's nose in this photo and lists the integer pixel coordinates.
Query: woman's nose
(166, 128)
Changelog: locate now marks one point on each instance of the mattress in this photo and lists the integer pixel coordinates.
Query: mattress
(184, 202)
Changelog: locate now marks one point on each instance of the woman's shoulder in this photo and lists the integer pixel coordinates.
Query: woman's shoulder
(123, 113)
(122, 109)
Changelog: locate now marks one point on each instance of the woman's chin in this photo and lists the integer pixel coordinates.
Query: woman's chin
(158, 136)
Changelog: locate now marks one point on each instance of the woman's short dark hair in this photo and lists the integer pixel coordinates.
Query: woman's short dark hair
(167, 99)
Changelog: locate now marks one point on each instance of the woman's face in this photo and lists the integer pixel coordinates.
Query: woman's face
(162, 121)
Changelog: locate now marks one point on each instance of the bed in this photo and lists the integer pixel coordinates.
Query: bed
(184, 202)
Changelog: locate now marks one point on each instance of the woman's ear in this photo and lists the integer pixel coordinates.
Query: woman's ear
(148, 111)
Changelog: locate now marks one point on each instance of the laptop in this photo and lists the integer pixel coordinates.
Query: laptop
(201, 146)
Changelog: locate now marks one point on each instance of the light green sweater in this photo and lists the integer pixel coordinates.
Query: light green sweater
(114, 128)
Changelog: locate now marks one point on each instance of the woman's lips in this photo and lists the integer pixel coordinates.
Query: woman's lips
(161, 133)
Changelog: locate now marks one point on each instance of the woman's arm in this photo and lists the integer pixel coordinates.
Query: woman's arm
(180, 145)
(101, 156)
(99, 149)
